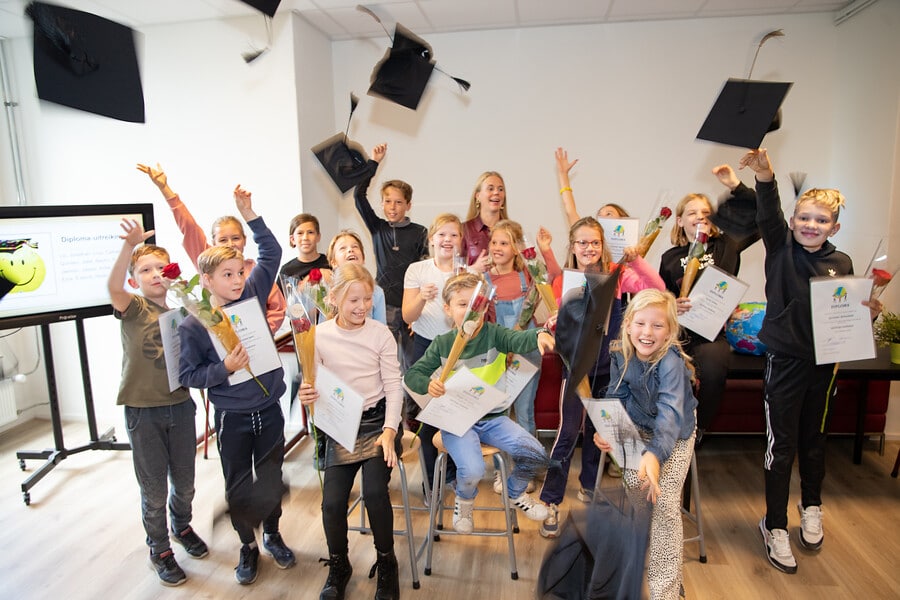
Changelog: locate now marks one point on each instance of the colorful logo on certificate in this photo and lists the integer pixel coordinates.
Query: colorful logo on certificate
(618, 231)
(840, 294)
(477, 390)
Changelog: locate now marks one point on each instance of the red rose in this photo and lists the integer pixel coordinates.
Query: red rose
(665, 212)
(881, 276)
(529, 253)
(702, 237)
(171, 271)
(315, 275)
(300, 325)
(478, 303)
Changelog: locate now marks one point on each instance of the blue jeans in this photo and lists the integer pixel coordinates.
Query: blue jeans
(164, 445)
(252, 444)
(504, 434)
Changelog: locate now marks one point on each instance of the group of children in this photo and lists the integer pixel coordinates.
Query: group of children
(425, 280)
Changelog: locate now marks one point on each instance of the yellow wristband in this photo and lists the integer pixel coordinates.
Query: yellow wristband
(565, 189)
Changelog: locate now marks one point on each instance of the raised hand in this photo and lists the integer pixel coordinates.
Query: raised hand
(563, 165)
(378, 152)
(134, 232)
(758, 161)
(726, 176)
(157, 175)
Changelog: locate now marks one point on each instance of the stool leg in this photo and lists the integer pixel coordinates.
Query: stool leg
(504, 475)
(410, 539)
(436, 508)
(695, 485)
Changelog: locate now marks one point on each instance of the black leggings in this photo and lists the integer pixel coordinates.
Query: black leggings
(336, 498)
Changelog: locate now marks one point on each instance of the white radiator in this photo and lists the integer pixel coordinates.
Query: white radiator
(7, 402)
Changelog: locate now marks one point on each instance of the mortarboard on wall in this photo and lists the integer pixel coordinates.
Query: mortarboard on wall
(86, 62)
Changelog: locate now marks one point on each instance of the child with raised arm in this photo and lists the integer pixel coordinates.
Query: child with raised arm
(563, 166)
(248, 419)
(362, 353)
(588, 251)
(398, 243)
(727, 239)
(160, 423)
(797, 391)
(485, 355)
(226, 231)
(654, 379)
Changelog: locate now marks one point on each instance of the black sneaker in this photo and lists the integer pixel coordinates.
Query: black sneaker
(191, 542)
(248, 567)
(275, 547)
(168, 570)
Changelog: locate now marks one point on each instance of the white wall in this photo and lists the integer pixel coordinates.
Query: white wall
(626, 99)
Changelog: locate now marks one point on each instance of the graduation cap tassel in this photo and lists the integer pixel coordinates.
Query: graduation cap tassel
(798, 178)
(354, 102)
(766, 38)
(462, 83)
(249, 57)
(369, 12)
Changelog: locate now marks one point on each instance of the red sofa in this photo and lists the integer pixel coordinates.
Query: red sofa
(742, 407)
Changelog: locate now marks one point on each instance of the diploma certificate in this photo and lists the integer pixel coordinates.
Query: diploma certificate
(171, 341)
(466, 400)
(338, 409)
(713, 299)
(842, 326)
(615, 426)
(620, 234)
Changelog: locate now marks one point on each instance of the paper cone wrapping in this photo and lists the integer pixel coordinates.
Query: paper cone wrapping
(643, 245)
(546, 291)
(691, 269)
(458, 344)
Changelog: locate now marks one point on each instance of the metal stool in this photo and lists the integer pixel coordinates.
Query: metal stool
(692, 483)
(435, 523)
(411, 448)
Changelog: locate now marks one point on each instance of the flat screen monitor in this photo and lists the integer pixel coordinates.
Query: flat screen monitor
(55, 260)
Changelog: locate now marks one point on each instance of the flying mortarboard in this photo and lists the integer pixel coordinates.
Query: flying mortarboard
(86, 62)
(745, 111)
(267, 7)
(403, 73)
(345, 161)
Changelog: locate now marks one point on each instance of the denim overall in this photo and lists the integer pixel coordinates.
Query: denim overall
(507, 312)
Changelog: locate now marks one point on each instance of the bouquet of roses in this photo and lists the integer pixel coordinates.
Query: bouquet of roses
(692, 266)
(880, 271)
(211, 317)
(652, 229)
(478, 305)
(303, 329)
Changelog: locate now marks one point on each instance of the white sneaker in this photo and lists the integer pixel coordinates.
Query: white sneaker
(531, 508)
(462, 515)
(498, 484)
(550, 525)
(778, 548)
(585, 495)
(811, 533)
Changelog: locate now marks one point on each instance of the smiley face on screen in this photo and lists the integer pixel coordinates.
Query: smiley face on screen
(21, 266)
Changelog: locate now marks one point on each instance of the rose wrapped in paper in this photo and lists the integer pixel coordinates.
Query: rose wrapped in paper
(880, 271)
(538, 271)
(211, 317)
(692, 267)
(316, 290)
(303, 329)
(478, 305)
(651, 231)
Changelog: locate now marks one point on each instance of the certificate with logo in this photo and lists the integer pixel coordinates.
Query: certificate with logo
(615, 426)
(842, 326)
(171, 342)
(466, 400)
(619, 234)
(249, 323)
(713, 299)
(338, 409)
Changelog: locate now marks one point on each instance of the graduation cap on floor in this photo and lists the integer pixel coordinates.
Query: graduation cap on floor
(745, 111)
(267, 7)
(581, 324)
(402, 74)
(345, 161)
(86, 62)
(601, 550)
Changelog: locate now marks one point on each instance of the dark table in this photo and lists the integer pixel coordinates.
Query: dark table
(880, 368)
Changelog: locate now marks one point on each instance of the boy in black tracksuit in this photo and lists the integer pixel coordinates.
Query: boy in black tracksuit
(798, 393)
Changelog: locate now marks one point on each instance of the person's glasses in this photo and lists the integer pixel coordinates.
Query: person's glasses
(582, 244)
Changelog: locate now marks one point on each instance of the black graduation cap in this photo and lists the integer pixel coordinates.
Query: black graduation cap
(86, 62)
(744, 112)
(582, 320)
(403, 73)
(267, 7)
(345, 161)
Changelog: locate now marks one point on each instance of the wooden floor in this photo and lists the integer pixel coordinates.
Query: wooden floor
(81, 537)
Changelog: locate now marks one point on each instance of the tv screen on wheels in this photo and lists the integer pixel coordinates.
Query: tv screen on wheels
(55, 260)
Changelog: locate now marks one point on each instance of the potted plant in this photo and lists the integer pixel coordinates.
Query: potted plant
(887, 333)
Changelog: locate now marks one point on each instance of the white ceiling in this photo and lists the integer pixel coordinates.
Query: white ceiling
(340, 20)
